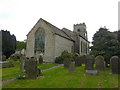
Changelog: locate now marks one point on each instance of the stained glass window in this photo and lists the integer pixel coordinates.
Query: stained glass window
(40, 40)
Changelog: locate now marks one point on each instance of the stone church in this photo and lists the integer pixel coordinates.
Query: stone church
(48, 40)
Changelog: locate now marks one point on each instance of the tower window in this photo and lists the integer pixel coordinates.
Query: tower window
(78, 30)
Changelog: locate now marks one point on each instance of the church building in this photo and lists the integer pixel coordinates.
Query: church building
(48, 40)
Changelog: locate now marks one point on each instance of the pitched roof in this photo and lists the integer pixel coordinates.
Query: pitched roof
(56, 30)
(68, 34)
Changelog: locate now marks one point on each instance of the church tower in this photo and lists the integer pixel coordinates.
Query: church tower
(81, 29)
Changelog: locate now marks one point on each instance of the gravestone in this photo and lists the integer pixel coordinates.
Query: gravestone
(66, 62)
(31, 68)
(79, 60)
(89, 62)
(72, 67)
(3, 57)
(40, 59)
(6, 64)
(115, 64)
(22, 63)
(100, 63)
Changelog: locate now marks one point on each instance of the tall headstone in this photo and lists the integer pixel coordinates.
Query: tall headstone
(22, 63)
(115, 64)
(89, 62)
(31, 68)
(67, 61)
(77, 62)
(100, 63)
(80, 60)
(72, 67)
(40, 59)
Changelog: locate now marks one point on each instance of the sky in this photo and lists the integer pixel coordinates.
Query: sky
(19, 16)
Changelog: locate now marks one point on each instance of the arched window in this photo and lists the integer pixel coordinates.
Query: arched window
(40, 41)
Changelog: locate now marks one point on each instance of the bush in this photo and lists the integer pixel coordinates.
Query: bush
(64, 55)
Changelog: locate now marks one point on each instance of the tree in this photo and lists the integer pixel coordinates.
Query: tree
(105, 43)
(118, 35)
(8, 43)
(20, 45)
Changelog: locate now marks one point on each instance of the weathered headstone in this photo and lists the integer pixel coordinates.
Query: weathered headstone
(115, 64)
(67, 61)
(89, 61)
(79, 60)
(6, 64)
(3, 57)
(31, 68)
(40, 59)
(22, 63)
(72, 67)
(100, 63)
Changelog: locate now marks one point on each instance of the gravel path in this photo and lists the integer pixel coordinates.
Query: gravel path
(10, 80)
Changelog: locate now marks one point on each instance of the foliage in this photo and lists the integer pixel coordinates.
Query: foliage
(64, 55)
(105, 43)
(8, 43)
(119, 35)
(20, 45)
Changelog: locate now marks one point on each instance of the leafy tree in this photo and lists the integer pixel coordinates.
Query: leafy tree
(105, 43)
(20, 45)
(118, 35)
(8, 43)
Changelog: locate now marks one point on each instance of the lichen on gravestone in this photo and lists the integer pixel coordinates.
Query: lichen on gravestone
(31, 68)
(100, 63)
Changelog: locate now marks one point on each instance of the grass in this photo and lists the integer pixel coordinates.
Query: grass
(61, 78)
(12, 72)
(45, 66)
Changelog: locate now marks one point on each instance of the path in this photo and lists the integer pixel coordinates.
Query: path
(10, 80)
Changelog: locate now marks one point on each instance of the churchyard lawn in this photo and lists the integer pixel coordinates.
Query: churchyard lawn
(12, 72)
(61, 78)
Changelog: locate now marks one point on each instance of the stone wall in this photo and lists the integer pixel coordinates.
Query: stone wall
(62, 44)
(83, 46)
(48, 55)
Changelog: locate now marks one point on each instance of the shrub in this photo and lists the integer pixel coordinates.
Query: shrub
(64, 55)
